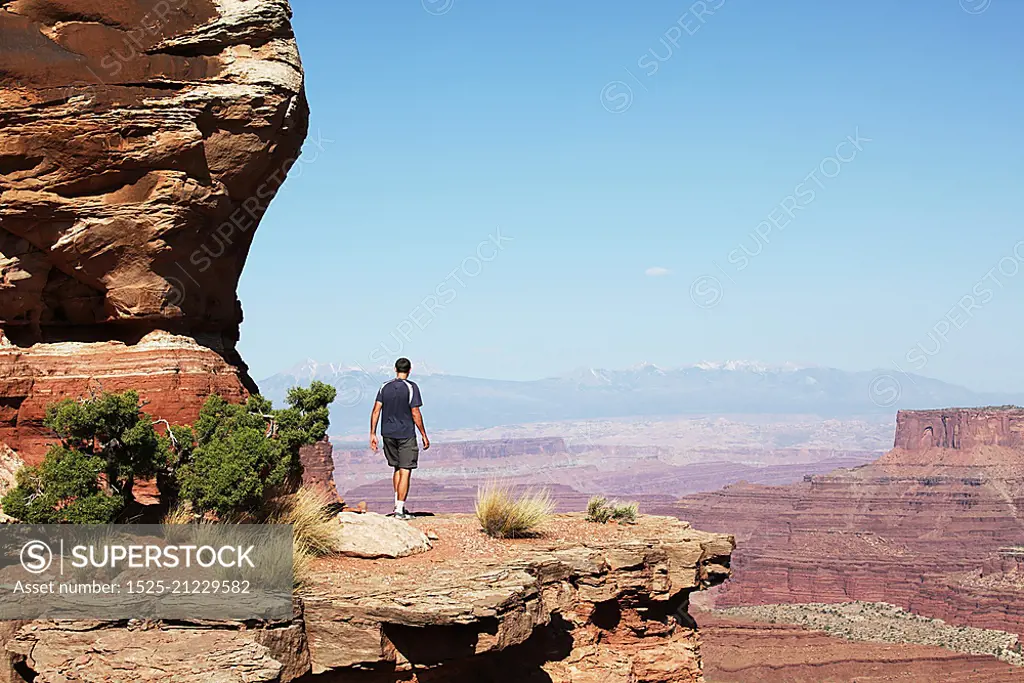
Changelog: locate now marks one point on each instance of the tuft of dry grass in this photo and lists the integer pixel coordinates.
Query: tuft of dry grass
(502, 515)
(625, 513)
(314, 527)
(600, 510)
(302, 564)
(313, 523)
(179, 514)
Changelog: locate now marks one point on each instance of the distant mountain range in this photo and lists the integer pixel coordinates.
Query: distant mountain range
(734, 387)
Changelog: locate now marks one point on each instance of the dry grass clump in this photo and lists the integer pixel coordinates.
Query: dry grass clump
(302, 563)
(601, 511)
(309, 513)
(625, 513)
(314, 528)
(313, 523)
(502, 515)
(180, 514)
(598, 510)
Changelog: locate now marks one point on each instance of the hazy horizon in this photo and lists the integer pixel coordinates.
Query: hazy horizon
(427, 368)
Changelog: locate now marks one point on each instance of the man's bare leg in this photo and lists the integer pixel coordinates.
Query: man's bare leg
(402, 484)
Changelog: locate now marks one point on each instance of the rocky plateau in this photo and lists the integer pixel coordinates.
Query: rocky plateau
(579, 602)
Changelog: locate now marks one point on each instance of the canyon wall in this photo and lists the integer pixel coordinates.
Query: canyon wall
(935, 530)
(140, 145)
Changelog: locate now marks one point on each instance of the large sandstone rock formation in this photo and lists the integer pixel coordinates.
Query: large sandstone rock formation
(585, 603)
(937, 528)
(140, 144)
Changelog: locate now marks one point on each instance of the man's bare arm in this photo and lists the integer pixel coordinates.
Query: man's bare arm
(374, 419)
(417, 418)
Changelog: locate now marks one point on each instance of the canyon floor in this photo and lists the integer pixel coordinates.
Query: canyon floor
(738, 650)
(655, 461)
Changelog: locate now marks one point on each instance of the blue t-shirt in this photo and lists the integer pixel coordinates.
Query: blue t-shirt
(399, 397)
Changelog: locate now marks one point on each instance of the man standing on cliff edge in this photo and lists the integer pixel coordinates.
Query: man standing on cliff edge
(399, 400)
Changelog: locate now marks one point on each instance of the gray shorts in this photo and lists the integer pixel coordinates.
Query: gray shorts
(402, 453)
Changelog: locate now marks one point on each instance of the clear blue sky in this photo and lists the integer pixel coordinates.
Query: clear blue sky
(452, 119)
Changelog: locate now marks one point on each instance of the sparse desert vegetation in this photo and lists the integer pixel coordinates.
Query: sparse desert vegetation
(309, 512)
(882, 622)
(602, 511)
(598, 510)
(314, 528)
(504, 514)
(105, 444)
(232, 463)
(625, 513)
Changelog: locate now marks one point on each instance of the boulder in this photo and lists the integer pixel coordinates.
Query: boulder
(372, 535)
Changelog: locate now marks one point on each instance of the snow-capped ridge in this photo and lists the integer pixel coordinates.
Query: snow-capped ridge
(312, 369)
(749, 366)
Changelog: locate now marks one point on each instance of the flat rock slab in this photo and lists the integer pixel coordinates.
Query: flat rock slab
(61, 654)
(605, 592)
(370, 535)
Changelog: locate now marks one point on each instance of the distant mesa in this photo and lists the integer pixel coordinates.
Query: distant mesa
(960, 428)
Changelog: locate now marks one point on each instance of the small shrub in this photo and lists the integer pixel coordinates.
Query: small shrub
(601, 511)
(106, 443)
(503, 516)
(239, 456)
(598, 510)
(112, 427)
(625, 513)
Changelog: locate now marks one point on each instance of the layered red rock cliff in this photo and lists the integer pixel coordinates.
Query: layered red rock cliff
(140, 145)
(936, 528)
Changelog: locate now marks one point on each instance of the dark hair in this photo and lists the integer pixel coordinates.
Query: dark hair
(403, 365)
